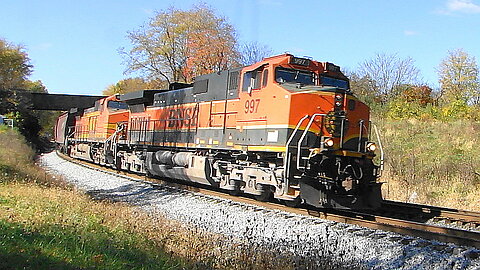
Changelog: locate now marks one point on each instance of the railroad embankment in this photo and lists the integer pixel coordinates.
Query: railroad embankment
(267, 237)
(45, 224)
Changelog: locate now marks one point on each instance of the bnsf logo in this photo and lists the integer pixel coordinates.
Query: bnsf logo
(182, 117)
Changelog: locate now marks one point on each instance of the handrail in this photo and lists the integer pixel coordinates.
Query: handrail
(296, 129)
(288, 155)
(307, 128)
(70, 134)
(382, 154)
(342, 130)
(113, 137)
(111, 141)
(360, 135)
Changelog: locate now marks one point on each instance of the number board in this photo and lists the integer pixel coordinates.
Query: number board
(333, 68)
(300, 61)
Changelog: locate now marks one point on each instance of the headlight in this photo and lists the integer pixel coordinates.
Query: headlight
(338, 100)
(328, 142)
(371, 146)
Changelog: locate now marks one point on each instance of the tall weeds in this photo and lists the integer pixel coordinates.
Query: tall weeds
(432, 162)
(17, 161)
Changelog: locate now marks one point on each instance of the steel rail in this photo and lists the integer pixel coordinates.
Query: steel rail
(413, 228)
(432, 211)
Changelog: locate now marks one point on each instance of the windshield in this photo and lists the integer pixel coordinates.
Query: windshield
(329, 81)
(117, 105)
(283, 75)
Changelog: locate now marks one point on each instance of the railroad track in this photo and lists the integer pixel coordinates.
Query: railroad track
(407, 227)
(399, 217)
(423, 213)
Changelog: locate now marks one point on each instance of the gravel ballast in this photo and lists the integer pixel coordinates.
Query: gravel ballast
(310, 241)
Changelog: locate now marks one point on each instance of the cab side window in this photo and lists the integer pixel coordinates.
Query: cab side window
(116, 105)
(253, 80)
(248, 78)
(265, 78)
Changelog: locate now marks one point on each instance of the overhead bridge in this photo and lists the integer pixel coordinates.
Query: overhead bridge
(61, 102)
(51, 102)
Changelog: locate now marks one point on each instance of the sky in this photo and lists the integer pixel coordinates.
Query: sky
(73, 45)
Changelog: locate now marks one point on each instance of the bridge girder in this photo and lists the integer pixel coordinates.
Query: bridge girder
(51, 102)
(61, 102)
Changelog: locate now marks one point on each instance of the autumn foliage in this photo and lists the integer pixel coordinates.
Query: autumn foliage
(211, 45)
(385, 84)
(177, 45)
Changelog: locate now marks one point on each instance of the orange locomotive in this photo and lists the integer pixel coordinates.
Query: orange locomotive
(285, 127)
(94, 131)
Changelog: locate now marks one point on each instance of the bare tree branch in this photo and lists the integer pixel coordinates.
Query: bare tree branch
(254, 52)
(387, 72)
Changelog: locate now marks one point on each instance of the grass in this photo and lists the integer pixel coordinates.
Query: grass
(50, 229)
(46, 224)
(432, 162)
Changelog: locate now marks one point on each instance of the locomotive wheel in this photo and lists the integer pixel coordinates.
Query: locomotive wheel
(266, 194)
(147, 172)
(294, 203)
(237, 190)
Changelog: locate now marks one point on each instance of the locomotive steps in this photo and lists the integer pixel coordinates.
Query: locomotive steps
(276, 228)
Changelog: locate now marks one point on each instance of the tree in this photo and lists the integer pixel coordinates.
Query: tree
(459, 78)
(177, 45)
(34, 86)
(419, 94)
(14, 65)
(387, 72)
(211, 44)
(15, 68)
(132, 85)
(363, 87)
(254, 52)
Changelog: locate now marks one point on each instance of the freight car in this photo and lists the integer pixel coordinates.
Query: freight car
(285, 127)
